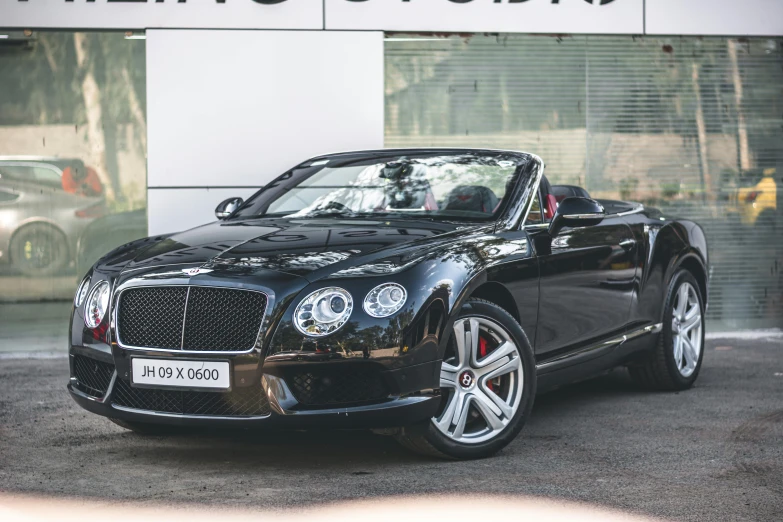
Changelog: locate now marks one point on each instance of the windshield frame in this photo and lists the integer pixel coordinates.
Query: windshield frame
(257, 205)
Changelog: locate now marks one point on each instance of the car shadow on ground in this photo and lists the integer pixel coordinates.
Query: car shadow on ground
(332, 448)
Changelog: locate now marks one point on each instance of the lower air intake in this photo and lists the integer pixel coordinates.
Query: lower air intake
(92, 376)
(327, 387)
(242, 402)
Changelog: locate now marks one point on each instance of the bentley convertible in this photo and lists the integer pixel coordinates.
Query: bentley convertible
(428, 294)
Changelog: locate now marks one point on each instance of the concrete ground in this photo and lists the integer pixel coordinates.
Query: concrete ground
(712, 453)
(34, 329)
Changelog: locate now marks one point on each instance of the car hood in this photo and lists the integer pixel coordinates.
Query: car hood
(310, 248)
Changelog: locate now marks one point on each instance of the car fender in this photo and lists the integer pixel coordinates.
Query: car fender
(438, 283)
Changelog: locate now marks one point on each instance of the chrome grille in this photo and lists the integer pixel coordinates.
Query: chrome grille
(152, 317)
(193, 318)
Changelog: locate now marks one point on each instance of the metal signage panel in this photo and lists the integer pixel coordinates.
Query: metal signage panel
(524, 16)
(715, 17)
(145, 14)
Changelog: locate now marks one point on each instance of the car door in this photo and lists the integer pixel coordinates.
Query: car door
(586, 284)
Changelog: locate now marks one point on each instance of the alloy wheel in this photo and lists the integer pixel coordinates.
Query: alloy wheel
(482, 381)
(686, 329)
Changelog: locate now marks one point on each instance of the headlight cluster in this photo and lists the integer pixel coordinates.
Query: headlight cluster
(81, 292)
(325, 311)
(384, 300)
(97, 304)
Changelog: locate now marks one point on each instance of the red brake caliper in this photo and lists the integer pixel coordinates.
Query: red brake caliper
(483, 353)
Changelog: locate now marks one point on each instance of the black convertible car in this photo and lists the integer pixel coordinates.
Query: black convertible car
(425, 293)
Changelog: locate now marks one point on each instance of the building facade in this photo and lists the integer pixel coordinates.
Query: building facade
(175, 106)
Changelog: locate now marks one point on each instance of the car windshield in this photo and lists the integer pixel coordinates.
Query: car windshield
(462, 186)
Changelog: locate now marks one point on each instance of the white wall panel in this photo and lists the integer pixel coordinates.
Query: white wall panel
(715, 17)
(540, 16)
(236, 108)
(174, 210)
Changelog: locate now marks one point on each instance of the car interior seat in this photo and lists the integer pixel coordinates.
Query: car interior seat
(566, 191)
(473, 198)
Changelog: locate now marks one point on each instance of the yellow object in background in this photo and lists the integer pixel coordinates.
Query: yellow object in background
(762, 197)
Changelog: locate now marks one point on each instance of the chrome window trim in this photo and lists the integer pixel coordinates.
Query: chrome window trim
(584, 216)
(516, 221)
(182, 351)
(537, 194)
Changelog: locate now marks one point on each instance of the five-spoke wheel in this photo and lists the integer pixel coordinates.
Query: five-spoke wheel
(483, 381)
(487, 386)
(675, 362)
(686, 329)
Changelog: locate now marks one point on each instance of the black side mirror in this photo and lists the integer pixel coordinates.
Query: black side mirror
(576, 212)
(227, 207)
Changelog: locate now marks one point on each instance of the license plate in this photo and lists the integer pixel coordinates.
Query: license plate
(176, 373)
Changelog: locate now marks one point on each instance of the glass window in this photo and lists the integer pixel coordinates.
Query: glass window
(536, 216)
(690, 125)
(47, 176)
(452, 186)
(5, 197)
(72, 170)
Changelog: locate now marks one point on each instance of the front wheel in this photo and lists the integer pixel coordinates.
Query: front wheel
(487, 383)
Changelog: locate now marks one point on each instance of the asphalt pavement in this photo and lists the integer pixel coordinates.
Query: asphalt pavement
(712, 453)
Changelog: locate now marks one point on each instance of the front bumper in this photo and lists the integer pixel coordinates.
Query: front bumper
(365, 384)
(392, 413)
(272, 401)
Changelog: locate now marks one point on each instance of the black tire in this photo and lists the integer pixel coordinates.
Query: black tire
(658, 370)
(144, 428)
(39, 250)
(426, 439)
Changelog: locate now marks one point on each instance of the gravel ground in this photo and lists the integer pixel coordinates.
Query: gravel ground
(712, 453)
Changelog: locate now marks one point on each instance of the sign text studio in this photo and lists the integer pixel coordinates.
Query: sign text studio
(272, 2)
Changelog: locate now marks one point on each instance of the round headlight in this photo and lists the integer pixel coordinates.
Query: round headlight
(323, 311)
(81, 292)
(385, 299)
(97, 304)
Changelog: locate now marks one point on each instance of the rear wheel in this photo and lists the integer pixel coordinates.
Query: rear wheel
(39, 250)
(676, 360)
(487, 382)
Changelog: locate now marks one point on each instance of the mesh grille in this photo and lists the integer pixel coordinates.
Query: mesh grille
(92, 377)
(243, 402)
(152, 317)
(221, 319)
(216, 319)
(324, 387)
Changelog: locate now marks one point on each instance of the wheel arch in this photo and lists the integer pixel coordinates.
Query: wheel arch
(694, 265)
(497, 294)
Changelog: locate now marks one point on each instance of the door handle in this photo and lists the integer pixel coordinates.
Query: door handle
(628, 244)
